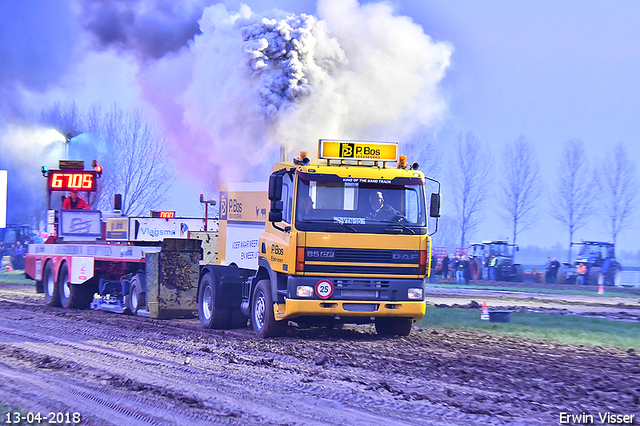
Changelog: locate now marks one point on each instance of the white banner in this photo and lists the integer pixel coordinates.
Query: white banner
(241, 246)
(3, 198)
(157, 229)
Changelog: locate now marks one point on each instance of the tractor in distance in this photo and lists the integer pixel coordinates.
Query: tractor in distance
(599, 258)
(506, 269)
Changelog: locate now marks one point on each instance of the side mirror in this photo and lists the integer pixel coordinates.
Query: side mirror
(275, 216)
(434, 208)
(275, 213)
(275, 187)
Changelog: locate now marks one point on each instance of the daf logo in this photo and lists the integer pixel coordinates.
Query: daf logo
(404, 256)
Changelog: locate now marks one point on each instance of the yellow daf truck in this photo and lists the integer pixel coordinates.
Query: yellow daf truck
(345, 241)
(339, 240)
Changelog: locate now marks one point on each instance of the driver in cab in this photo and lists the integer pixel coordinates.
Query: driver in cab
(73, 202)
(380, 210)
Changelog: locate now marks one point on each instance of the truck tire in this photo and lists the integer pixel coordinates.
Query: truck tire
(51, 295)
(595, 275)
(210, 315)
(476, 268)
(263, 319)
(73, 296)
(393, 326)
(132, 300)
(561, 278)
(614, 274)
(518, 273)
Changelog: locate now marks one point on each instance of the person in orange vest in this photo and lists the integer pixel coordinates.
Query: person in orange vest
(582, 271)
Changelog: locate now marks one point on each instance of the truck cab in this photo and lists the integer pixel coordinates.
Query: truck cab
(346, 242)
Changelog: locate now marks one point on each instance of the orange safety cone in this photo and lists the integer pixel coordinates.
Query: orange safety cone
(600, 289)
(484, 316)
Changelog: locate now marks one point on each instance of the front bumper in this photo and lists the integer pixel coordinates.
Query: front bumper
(294, 308)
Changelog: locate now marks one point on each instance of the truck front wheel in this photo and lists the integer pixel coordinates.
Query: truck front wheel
(393, 326)
(210, 315)
(262, 317)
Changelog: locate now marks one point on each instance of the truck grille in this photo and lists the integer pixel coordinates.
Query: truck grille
(362, 269)
(361, 255)
(361, 261)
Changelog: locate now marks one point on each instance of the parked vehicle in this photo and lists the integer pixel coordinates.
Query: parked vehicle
(600, 260)
(505, 269)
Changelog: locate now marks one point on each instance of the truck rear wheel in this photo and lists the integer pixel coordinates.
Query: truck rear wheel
(393, 326)
(51, 295)
(73, 296)
(262, 317)
(133, 301)
(210, 315)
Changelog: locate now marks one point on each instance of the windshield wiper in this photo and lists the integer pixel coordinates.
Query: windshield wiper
(394, 223)
(411, 231)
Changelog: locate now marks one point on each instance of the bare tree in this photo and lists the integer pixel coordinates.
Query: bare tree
(617, 182)
(571, 203)
(471, 179)
(136, 163)
(520, 186)
(422, 148)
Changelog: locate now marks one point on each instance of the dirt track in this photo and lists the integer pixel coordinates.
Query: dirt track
(119, 370)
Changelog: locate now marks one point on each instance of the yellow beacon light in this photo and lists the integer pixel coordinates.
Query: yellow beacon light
(402, 162)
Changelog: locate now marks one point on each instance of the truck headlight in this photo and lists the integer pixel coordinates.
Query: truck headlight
(415, 293)
(304, 291)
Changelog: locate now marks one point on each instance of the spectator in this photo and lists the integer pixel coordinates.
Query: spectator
(547, 271)
(459, 270)
(466, 269)
(74, 202)
(553, 270)
(17, 260)
(492, 267)
(432, 275)
(485, 264)
(582, 271)
(445, 267)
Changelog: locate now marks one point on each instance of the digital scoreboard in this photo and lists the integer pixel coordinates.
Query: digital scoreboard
(163, 214)
(66, 180)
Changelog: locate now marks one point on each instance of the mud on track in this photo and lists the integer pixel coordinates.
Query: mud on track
(119, 370)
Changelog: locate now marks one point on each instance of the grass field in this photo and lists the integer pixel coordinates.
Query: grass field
(569, 329)
(15, 277)
(609, 290)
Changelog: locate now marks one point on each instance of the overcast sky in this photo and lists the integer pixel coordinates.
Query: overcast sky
(548, 70)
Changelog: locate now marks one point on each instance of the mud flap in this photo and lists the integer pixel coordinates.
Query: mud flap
(172, 279)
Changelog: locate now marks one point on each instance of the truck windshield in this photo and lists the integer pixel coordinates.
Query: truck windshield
(333, 204)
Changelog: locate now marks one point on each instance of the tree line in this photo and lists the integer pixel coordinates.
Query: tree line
(578, 193)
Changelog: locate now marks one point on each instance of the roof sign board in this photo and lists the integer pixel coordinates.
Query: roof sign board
(357, 150)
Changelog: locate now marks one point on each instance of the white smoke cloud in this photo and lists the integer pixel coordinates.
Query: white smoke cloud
(256, 82)
(232, 86)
